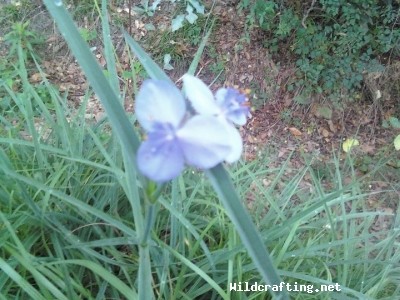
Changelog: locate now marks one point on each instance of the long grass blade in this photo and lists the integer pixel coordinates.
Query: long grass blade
(101, 86)
(245, 227)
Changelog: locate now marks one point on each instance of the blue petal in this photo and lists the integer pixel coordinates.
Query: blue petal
(238, 116)
(205, 141)
(200, 95)
(160, 157)
(159, 102)
(232, 104)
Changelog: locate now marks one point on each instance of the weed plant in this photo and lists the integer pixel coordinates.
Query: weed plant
(21, 38)
(69, 226)
(335, 42)
(14, 11)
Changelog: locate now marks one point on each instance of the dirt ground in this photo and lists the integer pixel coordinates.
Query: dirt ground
(277, 120)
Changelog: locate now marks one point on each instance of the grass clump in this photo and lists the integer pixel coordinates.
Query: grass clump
(69, 231)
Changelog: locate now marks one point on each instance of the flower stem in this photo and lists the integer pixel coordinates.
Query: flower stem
(151, 212)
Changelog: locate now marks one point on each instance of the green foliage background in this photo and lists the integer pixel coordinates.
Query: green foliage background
(335, 42)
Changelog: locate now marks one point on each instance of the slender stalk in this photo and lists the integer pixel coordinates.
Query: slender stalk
(150, 218)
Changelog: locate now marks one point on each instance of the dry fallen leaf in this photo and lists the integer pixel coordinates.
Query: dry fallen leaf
(367, 148)
(331, 126)
(295, 131)
(181, 48)
(281, 153)
(250, 139)
(51, 39)
(26, 135)
(37, 77)
(324, 132)
(392, 164)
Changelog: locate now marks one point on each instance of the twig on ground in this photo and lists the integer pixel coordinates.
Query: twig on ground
(306, 14)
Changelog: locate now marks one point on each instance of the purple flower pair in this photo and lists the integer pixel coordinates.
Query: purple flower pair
(175, 138)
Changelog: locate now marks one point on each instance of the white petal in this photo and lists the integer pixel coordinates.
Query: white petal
(200, 95)
(220, 96)
(159, 101)
(236, 144)
(204, 141)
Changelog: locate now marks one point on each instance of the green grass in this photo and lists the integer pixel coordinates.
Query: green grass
(69, 226)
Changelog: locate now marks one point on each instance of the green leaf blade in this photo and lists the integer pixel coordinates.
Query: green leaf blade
(245, 227)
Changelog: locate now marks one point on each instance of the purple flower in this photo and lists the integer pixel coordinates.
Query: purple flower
(228, 105)
(173, 140)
